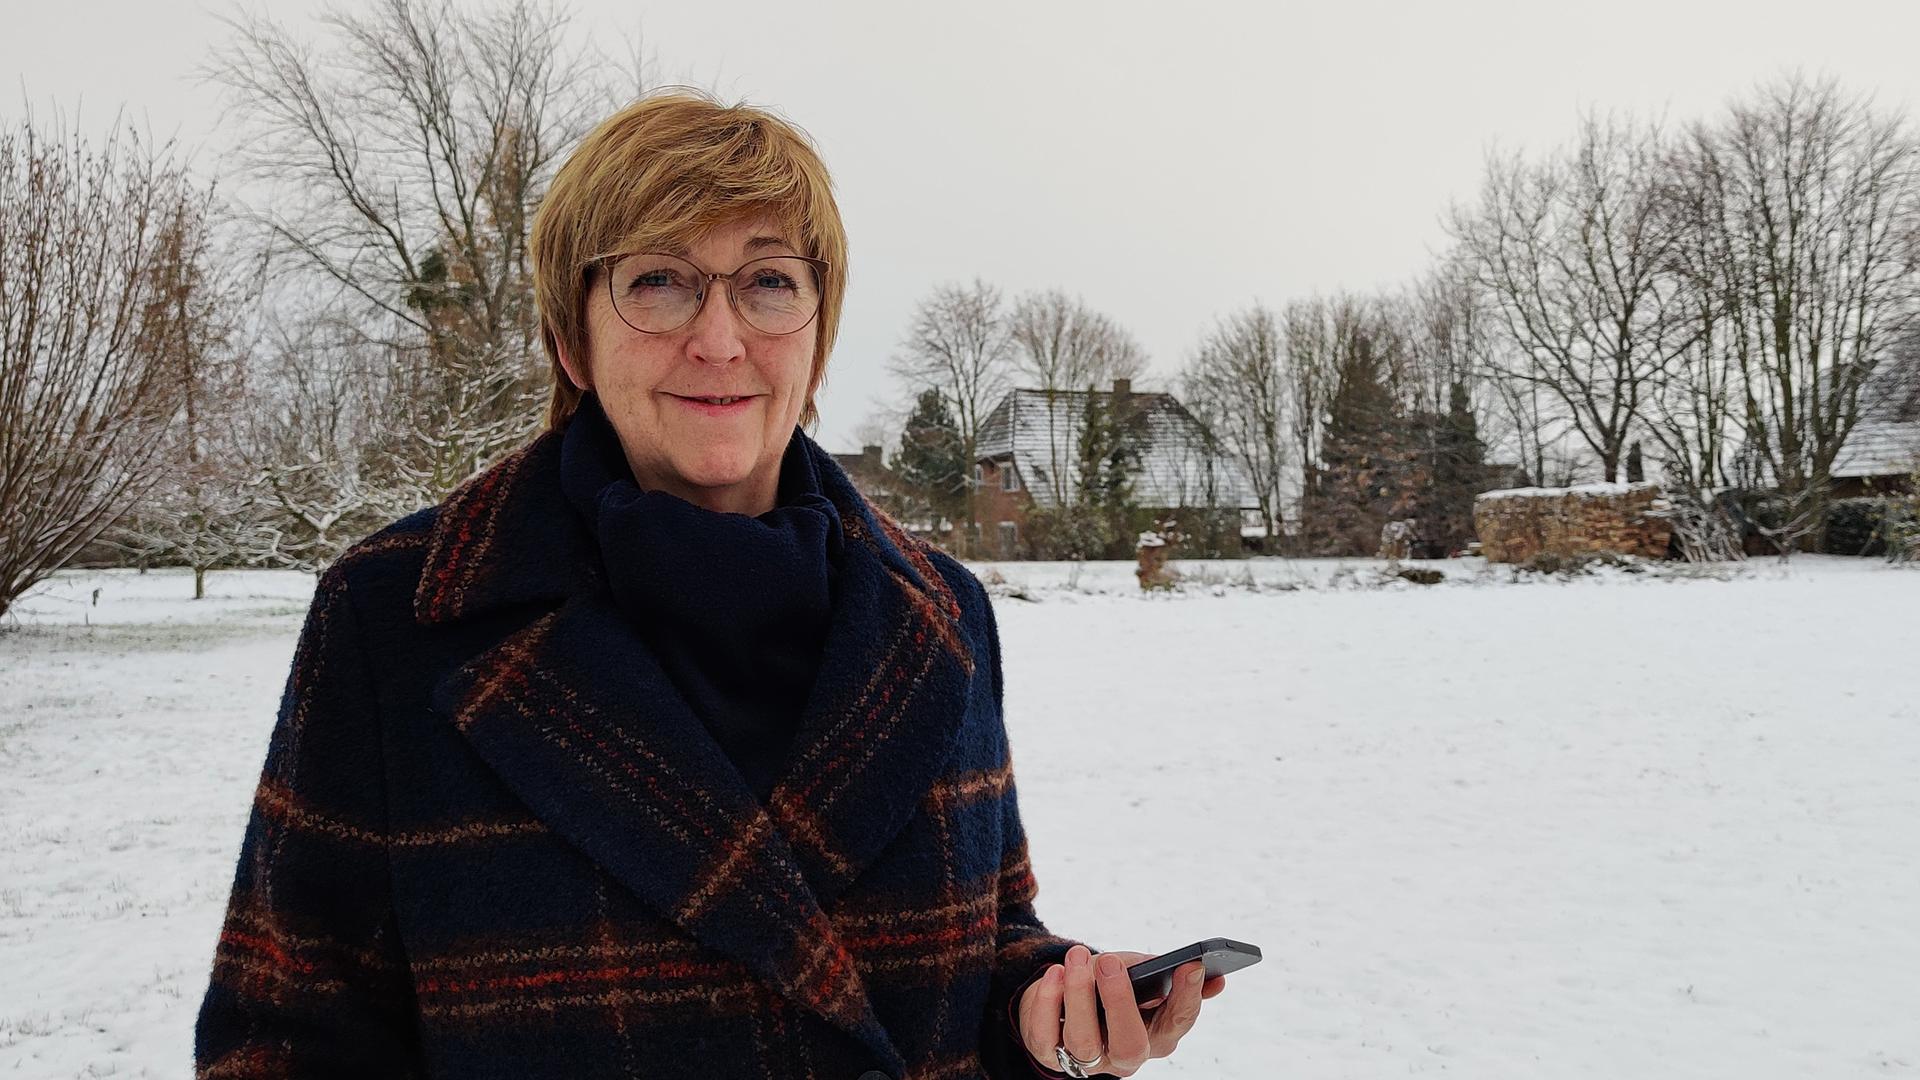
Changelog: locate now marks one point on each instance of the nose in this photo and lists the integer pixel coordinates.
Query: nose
(714, 336)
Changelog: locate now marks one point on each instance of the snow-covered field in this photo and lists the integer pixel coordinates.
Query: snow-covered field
(1623, 826)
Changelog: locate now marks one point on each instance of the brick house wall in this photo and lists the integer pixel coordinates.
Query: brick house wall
(1002, 513)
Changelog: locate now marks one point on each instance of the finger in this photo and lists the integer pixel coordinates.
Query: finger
(1127, 1043)
(1182, 1009)
(1040, 1014)
(1081, 1035)
(1213, 986)
(1131, 959)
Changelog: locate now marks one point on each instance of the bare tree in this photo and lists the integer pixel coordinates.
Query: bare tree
(104, 308)
(1062, 345)
(1573, 252)
(310, 437)
(204, 510)
(958, 343)
(1235, 385)
(399, 171)
(1691, 407)
(206, 513)
(880, 427)
(1804, 202)
(1309, 330)
(1452, 335)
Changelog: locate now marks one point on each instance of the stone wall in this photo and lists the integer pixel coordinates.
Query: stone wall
(1519, 523)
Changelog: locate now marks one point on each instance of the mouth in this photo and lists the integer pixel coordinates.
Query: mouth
(716, 405)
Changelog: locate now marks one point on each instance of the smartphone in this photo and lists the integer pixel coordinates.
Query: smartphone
(1153, 978)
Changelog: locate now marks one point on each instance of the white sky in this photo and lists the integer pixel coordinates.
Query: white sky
(1168, 162)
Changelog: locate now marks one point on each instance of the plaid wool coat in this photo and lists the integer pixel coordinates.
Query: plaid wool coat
(491, 840)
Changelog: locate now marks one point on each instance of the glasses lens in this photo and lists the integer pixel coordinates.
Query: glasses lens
(655, 293)
(777, 295)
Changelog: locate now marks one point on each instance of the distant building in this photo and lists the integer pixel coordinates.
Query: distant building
(869, 472)
(1882, 452)
(1030, 443)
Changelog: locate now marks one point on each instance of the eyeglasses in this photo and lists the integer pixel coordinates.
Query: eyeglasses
(658, 293)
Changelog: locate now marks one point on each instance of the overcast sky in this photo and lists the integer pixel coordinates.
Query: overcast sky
(1168, 162)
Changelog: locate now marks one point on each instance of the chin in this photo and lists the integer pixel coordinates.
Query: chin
(718, 469)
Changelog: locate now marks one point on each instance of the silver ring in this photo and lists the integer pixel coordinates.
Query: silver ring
(1073, 1066)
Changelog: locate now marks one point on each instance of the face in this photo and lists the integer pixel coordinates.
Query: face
(725, 458)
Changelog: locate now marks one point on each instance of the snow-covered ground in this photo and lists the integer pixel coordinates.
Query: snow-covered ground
(1623, 826)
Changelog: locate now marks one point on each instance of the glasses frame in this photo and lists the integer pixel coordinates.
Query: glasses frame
(707, 278)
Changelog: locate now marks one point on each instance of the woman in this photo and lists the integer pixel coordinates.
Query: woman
(655, 750)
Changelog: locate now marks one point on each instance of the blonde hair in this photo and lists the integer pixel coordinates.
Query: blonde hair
(660, 173)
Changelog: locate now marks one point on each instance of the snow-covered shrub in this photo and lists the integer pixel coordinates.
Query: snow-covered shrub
(1575, 565)
(1708, 526)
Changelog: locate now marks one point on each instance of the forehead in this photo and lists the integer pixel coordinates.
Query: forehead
(758, 235)
(748, 235)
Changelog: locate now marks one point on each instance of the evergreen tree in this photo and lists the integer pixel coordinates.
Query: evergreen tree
(1098, 521)
(1369, 473)
(932, 459)
(1457, 468)
(1107, 459)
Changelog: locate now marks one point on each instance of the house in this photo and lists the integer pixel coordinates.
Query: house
(1029, 444)
(1882, 452)
(870, 474)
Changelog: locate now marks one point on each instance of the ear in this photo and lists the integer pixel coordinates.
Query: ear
(574, 373)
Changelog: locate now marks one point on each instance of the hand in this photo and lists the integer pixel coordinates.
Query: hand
(1058, 1009)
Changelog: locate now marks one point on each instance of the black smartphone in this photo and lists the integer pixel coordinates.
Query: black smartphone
(1153, 978)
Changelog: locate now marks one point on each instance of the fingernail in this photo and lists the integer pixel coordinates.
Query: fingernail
(1109, 965)
(1195, 976)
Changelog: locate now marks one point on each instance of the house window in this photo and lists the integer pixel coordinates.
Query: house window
(1009, 480)
(979, 475)
(1009, 536)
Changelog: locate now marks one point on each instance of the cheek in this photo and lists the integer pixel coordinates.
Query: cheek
(800, 366)
(636, 366)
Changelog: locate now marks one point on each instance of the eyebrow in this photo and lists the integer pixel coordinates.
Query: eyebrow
(753, 244)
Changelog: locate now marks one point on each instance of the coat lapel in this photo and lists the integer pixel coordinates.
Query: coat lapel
(578, 718)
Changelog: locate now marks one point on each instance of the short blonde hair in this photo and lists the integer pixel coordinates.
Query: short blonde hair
(660, 173)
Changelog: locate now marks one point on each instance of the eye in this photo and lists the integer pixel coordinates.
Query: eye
(655, 279)
(772, 279)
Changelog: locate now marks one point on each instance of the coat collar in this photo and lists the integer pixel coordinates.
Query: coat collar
(578, 718)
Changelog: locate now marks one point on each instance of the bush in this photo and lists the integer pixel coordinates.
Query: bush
(1210, 533)
(1853, 526)
(1900, 529)
(1075, 532)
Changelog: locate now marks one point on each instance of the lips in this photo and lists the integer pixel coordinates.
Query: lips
(718, 405)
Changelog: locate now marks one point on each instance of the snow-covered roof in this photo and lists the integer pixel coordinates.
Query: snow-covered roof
(1041, 436)
(1886, 440)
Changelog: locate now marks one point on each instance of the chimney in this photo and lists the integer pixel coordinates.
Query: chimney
(870, 458)
(1121, 403)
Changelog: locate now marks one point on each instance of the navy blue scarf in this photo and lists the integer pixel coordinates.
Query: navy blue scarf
(735, 607)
